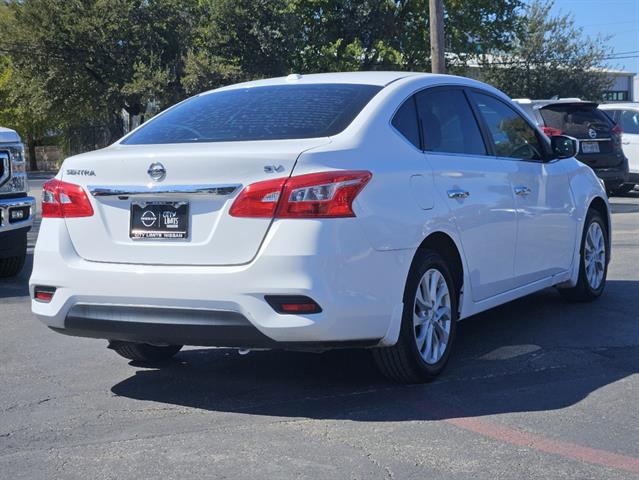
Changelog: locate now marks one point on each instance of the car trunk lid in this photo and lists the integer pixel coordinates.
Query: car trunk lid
(200, 183)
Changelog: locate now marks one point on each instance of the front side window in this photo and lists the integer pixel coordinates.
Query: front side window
(629, 121)
(512, 136)
(258, 113)
(448, 124)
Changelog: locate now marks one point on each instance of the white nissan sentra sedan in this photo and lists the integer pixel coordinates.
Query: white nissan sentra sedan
(316, 212)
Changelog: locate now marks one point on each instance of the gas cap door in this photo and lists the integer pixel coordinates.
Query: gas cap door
(422, 191)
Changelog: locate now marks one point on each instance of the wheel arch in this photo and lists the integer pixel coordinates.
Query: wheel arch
(443, 244)
(601, 206)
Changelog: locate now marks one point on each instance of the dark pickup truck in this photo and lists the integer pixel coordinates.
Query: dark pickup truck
(16, 207)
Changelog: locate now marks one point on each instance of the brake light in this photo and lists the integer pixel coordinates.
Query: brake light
(315, 195)
(64, 200)
(550, 131)
(617, 130)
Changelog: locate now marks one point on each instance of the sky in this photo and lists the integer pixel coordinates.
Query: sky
(619, 18)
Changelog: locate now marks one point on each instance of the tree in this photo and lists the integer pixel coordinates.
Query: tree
(23, 102)
(549, 56)
(97, 57)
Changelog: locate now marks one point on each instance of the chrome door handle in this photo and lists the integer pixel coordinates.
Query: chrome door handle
(522, 191)
(458, 194)
(626, 143)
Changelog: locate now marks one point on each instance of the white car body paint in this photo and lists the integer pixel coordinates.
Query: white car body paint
(354, 268)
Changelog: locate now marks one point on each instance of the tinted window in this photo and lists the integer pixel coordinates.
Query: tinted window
(512, 135)
(405, 120)
(259, 113)
(448, 123)
(575, 120)
(629, 121)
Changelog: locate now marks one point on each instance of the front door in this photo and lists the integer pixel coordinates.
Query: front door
(545, 207)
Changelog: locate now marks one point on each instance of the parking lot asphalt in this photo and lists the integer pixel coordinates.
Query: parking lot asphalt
(538, 388)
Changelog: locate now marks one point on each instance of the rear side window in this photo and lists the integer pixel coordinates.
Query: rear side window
(405, 120)
(448, 123)
(512, 136)
(259, 113)
(629, 121)
(575, 120)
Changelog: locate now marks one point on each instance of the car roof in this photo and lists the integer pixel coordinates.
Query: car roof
(7, 135)
(538, 104)
(364, 78)
(615, 106)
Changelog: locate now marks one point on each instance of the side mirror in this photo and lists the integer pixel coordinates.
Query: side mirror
(564, 146)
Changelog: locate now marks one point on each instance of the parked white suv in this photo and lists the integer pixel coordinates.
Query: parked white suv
(316, 212)
(627, 117)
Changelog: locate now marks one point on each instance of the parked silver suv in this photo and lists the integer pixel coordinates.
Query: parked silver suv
(16, 208)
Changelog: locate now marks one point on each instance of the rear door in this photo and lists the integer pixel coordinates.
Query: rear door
(476, 186)
(599, 146)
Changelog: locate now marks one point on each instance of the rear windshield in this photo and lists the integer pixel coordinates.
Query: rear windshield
(259, 113)
(575, 120)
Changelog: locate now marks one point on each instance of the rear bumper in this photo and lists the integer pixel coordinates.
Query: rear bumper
(331, 262)
(216, 328)
(613, 177)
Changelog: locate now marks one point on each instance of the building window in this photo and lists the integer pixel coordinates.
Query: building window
(616, 96)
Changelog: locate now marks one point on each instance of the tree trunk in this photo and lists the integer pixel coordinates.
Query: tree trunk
(33, 162)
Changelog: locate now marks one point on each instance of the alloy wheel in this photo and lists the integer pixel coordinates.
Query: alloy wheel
(595, 255)
(432, 316)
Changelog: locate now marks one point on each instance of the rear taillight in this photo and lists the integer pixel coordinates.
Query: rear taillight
(64, 200)
(315, 195)
(617, 130)
(550, 131)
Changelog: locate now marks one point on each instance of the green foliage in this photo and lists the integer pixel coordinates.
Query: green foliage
(548, 57)
(76, 64)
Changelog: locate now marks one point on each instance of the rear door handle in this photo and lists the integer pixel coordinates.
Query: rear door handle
(458, 194)
(522, 190)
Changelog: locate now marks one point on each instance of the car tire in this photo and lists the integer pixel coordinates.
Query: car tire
(591, 283)
(143, 352)
(410, 360)
(623, 189)
(10, 267)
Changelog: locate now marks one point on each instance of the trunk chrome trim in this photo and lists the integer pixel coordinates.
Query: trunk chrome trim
(139, 190)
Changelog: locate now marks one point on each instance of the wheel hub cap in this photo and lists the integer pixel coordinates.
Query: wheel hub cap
(595, 255)
(432, 316)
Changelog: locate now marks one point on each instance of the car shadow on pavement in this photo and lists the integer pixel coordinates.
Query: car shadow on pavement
(17, 286)
(537, 353)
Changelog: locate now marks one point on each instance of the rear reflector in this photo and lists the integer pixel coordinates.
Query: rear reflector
(64, 200)
(43, 294)
(293, 304)
(315, 195)
(617, 130)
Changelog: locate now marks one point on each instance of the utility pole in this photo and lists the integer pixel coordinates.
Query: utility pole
(436, 13)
